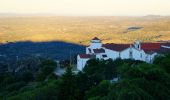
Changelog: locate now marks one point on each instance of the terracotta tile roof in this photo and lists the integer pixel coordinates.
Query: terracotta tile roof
(84, 56)
(99, 50)
(116, 47)
(95, 38)
(150, 46)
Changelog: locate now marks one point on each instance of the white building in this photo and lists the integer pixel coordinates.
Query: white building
(137, 51)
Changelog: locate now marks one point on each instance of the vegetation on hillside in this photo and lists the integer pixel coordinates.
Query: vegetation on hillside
(13, 83)
(80, 30)
(136, 81)
(53, 50)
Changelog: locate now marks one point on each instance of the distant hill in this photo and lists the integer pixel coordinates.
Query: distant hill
(153, 16)
(55, 50)
(77, 29)
(25, 14)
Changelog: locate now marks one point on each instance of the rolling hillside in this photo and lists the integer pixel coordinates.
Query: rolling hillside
(80, 30)
(54, 50)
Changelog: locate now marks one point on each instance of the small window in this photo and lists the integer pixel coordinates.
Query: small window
(89, 50)
(130, 54)
(104, 56)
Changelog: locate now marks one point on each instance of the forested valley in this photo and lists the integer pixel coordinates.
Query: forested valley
(100, 80)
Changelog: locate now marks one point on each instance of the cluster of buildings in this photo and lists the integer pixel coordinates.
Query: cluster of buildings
(138, 51)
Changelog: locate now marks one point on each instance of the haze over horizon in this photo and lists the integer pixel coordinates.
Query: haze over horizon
(87, 7)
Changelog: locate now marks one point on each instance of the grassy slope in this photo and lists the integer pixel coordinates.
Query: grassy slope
(81, 29)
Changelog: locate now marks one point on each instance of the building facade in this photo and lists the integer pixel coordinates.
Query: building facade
(138, 51)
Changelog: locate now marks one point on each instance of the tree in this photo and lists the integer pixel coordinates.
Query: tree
(98, 70)
(67, 86)
(100, 90)
(82, 85)
(27, 76)
(142, 81)
(46, 68)
(45, 91)
(163, 62)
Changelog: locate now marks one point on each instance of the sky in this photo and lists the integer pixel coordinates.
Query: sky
(87, 7)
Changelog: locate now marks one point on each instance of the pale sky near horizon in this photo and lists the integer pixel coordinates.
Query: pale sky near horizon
(87, 7)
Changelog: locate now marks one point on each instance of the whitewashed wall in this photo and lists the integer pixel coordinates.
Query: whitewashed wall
(125, 54)
(137, 54)
(95, 45)
(143, 55)
(87, 50)
(99, 55)
(150, 57)
(81, 62)
(112, 54)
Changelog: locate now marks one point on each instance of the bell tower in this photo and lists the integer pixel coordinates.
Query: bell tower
(137, 44)
(95, 43)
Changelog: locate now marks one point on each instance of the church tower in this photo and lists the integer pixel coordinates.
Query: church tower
(95, 43)
(137, 44)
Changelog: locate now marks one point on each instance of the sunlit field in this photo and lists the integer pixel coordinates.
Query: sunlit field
(80, 30)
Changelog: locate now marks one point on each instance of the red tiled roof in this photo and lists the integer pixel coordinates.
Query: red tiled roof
(99, 50)
(116, 47)
(95, 38)
(150, 46)
(154, 47)
(84, 55)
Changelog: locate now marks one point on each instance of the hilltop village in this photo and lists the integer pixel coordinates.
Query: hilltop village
(137, 51)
